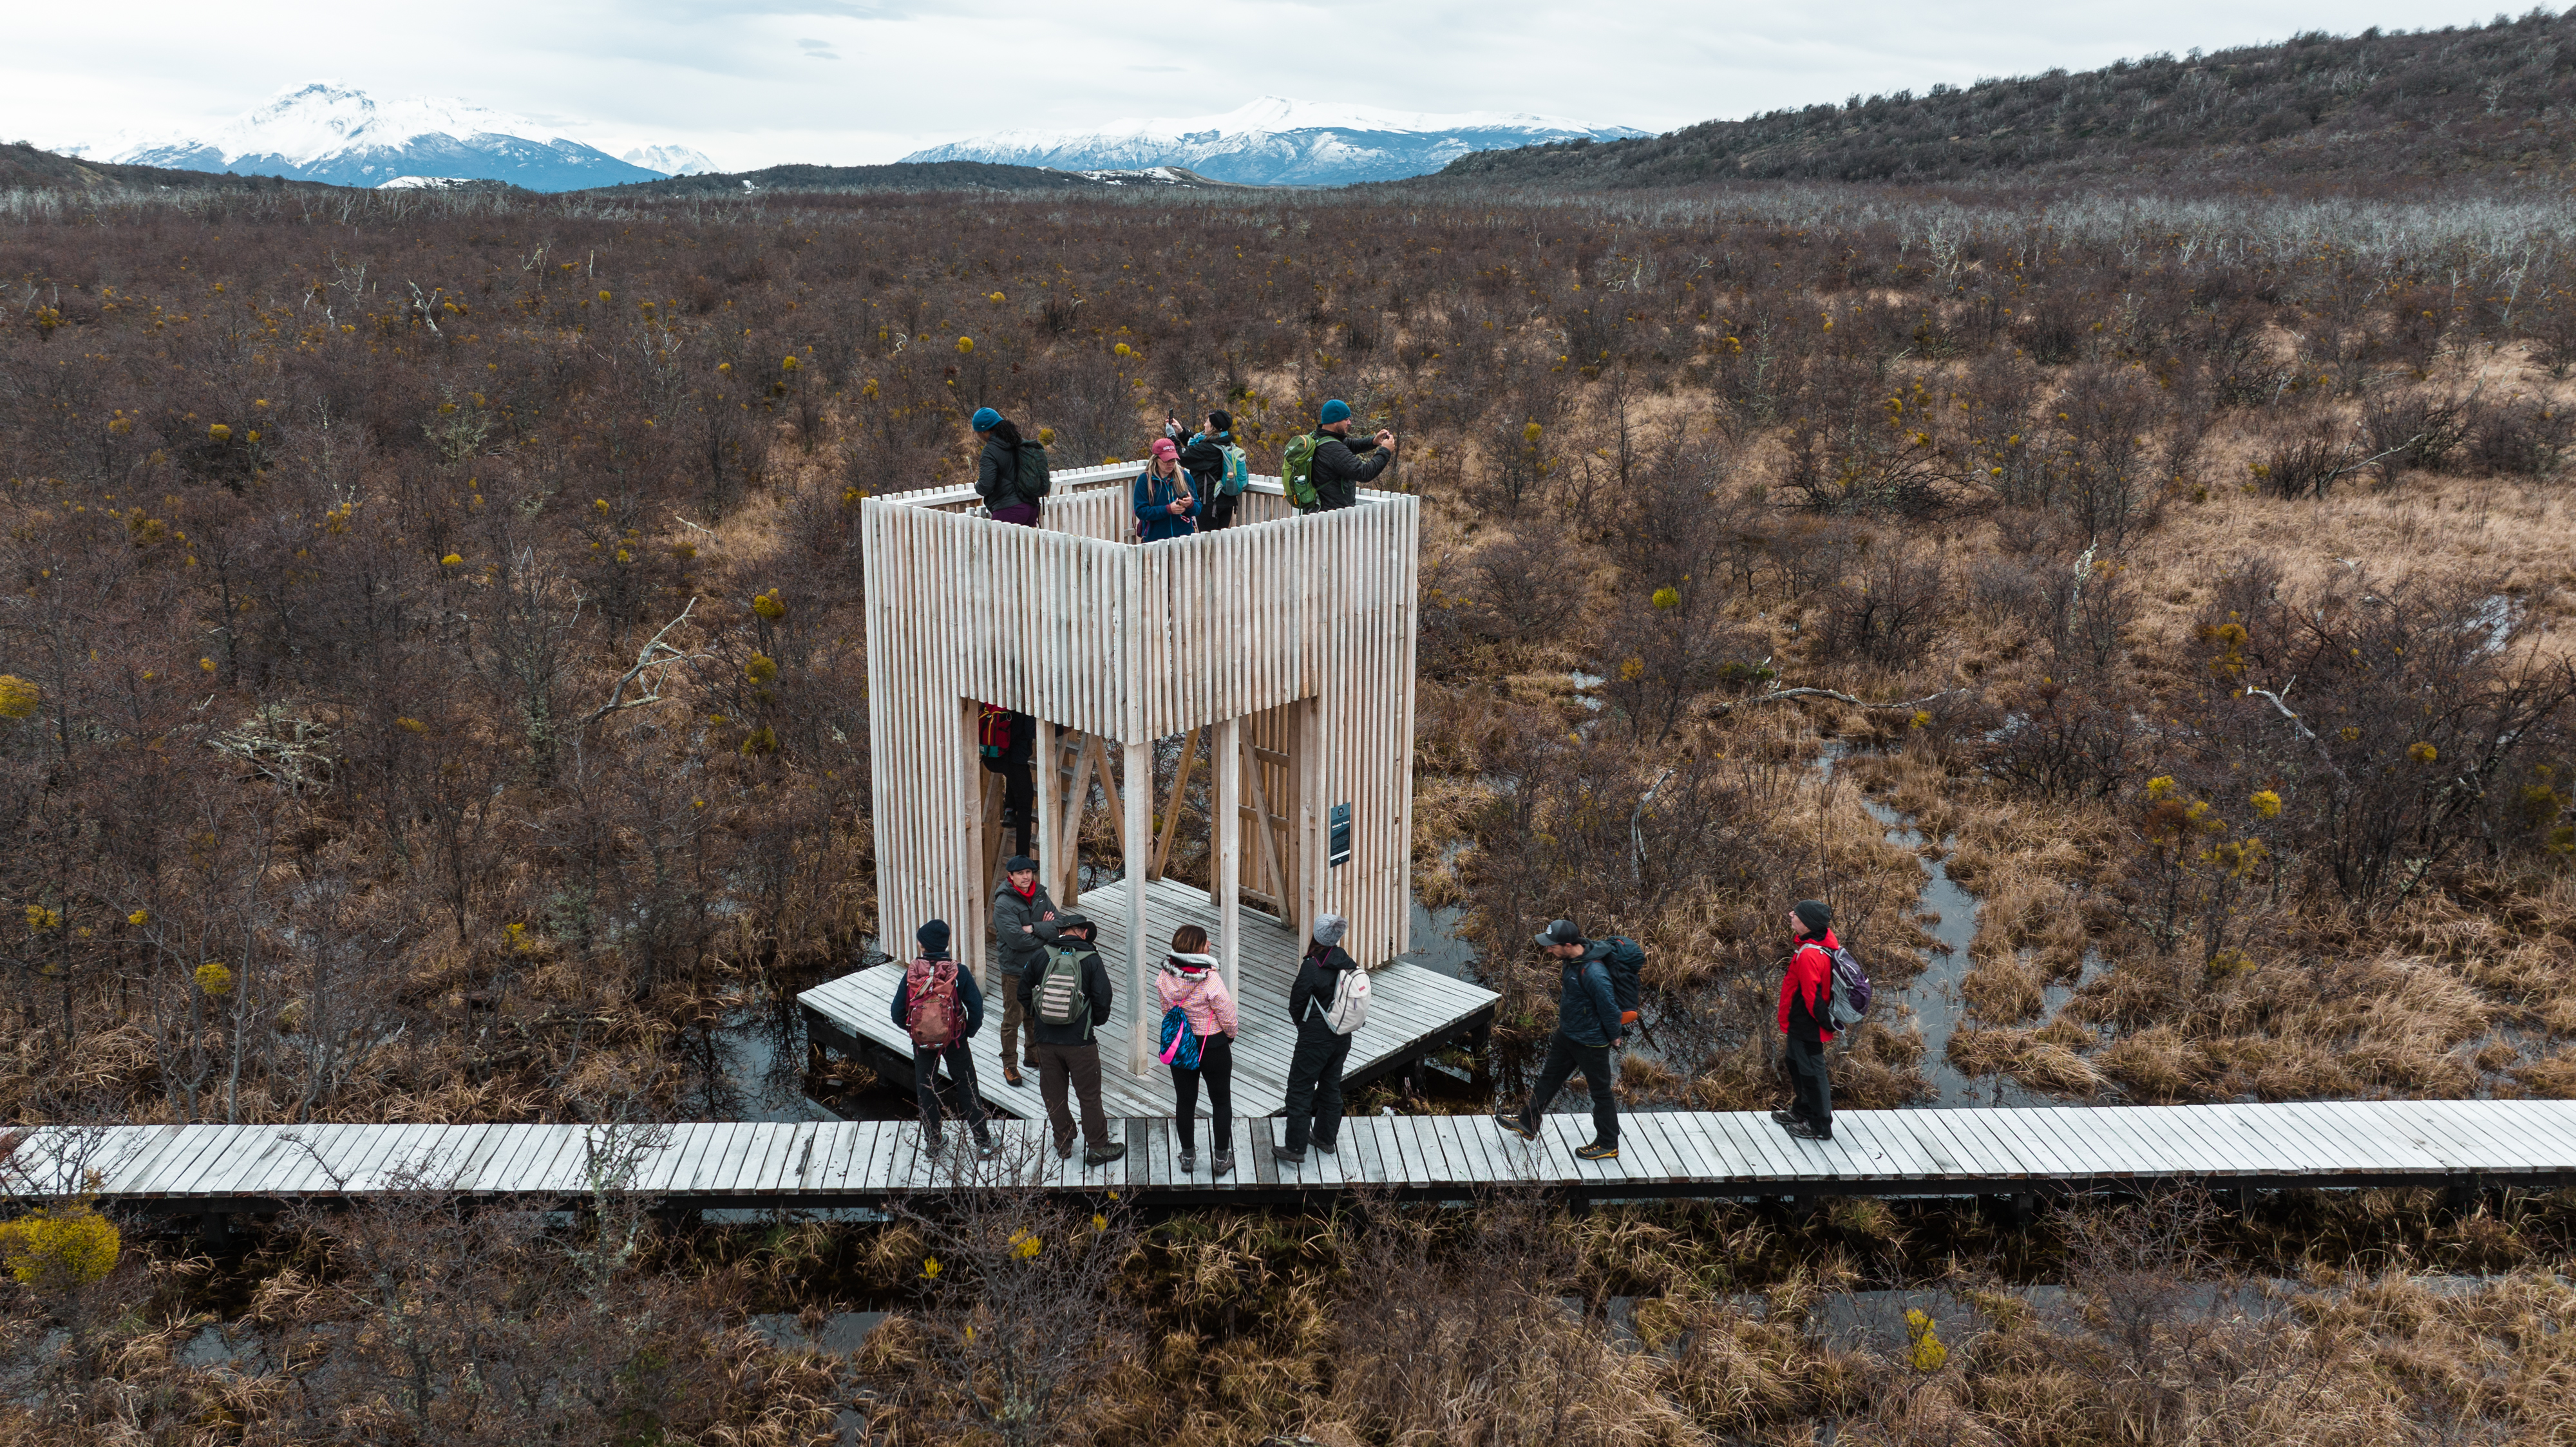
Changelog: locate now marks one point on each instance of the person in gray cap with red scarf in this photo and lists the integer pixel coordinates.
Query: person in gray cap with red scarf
(1588, 1027)
(1023, 927)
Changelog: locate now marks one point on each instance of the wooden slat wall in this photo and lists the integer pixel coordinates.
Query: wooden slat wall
(1302, 626)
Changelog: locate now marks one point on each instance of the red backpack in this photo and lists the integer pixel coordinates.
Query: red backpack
(993, 733)
(932, 1014)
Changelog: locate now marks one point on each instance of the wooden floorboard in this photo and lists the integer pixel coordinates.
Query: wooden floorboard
(1408, 1005)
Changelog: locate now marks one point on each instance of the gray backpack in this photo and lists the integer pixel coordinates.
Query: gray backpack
(1058, 997)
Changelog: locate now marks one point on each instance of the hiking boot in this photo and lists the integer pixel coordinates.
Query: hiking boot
(1784, 1117)
(986, 1148)
(1223, 1165)
(1514, 1124)
(1064, 1150)
(1292, 1157)
(1189, 1161)
(1597, 1152)
(1010, 1075)
(931, 1144)
(1806, 1132)
(1327, 1148)
(1103, 1155)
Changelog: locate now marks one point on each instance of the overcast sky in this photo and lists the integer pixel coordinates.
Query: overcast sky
(769, 81)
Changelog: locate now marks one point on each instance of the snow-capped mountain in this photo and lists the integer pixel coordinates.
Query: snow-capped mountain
(323, 131)
(670, 160)
(1276, 142)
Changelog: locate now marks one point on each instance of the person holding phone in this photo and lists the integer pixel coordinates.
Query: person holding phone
(1165, 506)
(1206, 458)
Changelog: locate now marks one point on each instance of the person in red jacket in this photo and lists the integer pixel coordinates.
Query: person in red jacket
(1806, 999)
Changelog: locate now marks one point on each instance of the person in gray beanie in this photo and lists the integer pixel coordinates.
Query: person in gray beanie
(1315, 1068)
(1023, 927)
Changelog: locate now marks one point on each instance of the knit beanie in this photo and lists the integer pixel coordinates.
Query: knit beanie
(1815, 915)
(1222, 421)
(1330, 929)
(984, 419)
(933, 936)
(1334, 411)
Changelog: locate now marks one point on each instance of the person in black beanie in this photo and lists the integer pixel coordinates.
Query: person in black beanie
(940, 1006)
(1806, 1000)
(1204, 458)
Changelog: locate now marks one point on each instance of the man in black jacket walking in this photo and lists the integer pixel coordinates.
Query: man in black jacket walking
(1314, 1107)
(1588, 1026)
(1341, 465)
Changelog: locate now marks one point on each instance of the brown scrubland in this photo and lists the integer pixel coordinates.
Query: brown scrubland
(434, 691)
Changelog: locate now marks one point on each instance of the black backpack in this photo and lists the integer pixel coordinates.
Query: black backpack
(1625, 962)
(1034, 480)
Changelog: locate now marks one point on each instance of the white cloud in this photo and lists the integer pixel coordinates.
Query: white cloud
(725, 77)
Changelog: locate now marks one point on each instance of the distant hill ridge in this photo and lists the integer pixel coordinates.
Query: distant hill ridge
(913, 176)
(2490, 101)
(1275, 141)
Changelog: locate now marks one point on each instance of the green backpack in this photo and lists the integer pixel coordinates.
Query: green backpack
(1297, 468)
(1058, 997)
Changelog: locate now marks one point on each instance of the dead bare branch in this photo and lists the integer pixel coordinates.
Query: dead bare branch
(655, 659)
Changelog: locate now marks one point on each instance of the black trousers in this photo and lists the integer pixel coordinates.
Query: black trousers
(1315, 1085)
(961, 1071)
(1018, 768)
(1216, 510)
(1564, 1058)
(1814, 1089)
(1216, 1063)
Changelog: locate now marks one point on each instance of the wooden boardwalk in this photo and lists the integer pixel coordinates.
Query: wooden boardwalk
(186, 1169)
(1412, 1010)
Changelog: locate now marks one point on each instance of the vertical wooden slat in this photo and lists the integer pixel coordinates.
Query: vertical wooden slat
(1225, 757)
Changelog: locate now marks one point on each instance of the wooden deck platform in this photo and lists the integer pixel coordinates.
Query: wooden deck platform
(214, 1169)
(1412, 1011)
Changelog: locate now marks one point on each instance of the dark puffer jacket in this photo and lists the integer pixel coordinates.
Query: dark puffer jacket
(1340, 467)
(1587, 1009)
(1021, 951)
(997, 474)
(1318, 976)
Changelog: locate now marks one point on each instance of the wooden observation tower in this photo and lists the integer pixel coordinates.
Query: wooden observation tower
(1274, 658)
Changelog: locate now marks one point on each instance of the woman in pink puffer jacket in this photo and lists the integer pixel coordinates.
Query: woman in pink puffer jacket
(1189, 981)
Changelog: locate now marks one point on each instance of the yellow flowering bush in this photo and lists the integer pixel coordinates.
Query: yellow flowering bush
(761, 669)
(2267, 804)
(18, 697)
(58, 1248)
(1925, 1352)
(2422, 753)
(768, 606)
(214, 979)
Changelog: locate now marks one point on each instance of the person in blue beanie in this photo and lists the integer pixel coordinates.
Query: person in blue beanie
(1002, 472)
(1341, 465)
